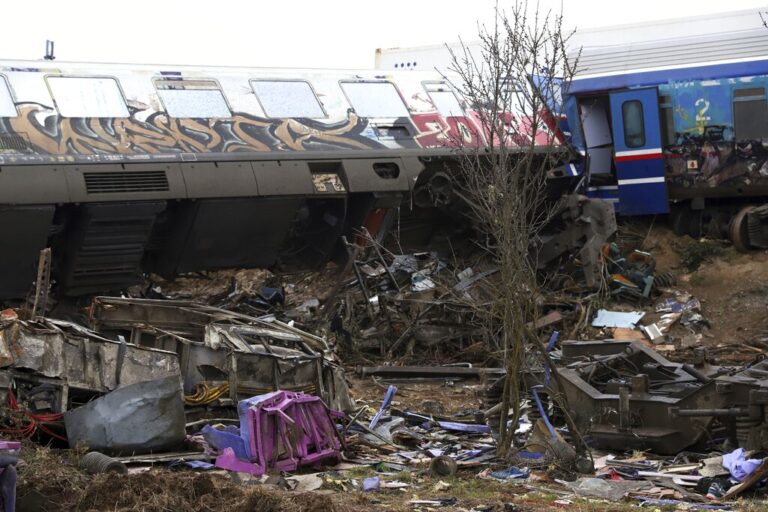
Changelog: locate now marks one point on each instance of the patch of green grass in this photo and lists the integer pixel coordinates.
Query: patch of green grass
(471, 488)
(361, 472)
(695, 255)
(403, 476)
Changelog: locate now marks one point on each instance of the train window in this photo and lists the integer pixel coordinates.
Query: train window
(750, 111)
(375, 99)
(87, 96)
(7, 107)
(192, 98)
(668, 136)
(634, 124)
(287, 98)
(446, 103)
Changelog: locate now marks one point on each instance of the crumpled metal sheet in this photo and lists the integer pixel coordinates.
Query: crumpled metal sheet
(140, 418)
(605, 318)
(82, 362)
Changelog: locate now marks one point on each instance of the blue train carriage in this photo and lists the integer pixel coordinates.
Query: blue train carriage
(678, 127)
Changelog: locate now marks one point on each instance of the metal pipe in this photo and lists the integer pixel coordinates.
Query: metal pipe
(427, 371)
(624, 421)
(696, 374)
(540, 406)
(96, 462)
(692, 413)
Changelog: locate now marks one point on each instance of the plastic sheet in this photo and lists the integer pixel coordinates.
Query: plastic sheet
(738, 465)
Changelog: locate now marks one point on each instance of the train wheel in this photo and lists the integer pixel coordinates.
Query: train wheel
(738, 231)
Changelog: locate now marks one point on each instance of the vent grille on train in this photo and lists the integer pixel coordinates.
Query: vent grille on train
(13, 143)
(135, 181)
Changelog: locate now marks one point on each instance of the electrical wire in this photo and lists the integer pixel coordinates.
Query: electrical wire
(37, 421)
(205, 394)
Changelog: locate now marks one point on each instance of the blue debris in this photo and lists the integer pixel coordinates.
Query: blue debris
(738, 465)
(511, 473)
(371, 483)
(475, 428)
(388, 396)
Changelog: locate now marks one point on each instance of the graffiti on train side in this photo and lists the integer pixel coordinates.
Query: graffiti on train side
(48, 133)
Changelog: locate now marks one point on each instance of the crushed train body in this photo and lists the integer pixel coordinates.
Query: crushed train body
(54, 366)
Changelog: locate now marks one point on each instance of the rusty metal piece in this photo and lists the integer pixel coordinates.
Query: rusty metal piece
(443, 466)
(585, 226)
(625, 395)
(96, 462)
(427, 371)
(39, 299)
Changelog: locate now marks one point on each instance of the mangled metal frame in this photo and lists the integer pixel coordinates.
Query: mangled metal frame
(139, 340)
(253, 355)
(64, 357)
(653, 403)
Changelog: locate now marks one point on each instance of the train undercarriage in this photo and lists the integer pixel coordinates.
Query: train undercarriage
(744, 222)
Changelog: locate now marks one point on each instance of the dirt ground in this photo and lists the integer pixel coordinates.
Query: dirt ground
(732, 288)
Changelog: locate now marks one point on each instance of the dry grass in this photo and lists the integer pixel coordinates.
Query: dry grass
(161, 490)
(51, 480)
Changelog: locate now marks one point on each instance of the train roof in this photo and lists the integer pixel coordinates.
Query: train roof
(54, 65)
(724, 45)
(697, 47)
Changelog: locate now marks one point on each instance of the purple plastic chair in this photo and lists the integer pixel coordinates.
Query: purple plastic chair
(284, 430)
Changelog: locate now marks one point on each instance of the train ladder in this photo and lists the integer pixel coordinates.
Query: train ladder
(38, 299)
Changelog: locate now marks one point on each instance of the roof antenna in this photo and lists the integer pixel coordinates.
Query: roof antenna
(49, 50)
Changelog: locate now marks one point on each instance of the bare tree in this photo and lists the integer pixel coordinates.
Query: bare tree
(513, 83)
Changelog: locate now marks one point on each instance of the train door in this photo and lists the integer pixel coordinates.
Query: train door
(638, 155)
(594, 114)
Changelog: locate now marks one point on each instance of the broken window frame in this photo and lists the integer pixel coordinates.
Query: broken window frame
(667, 117)
(88, 107)
(365, 114)
(167, 83)
(287, 80)
(432, 87)
(754, 114)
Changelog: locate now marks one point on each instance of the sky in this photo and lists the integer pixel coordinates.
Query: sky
(287, 33)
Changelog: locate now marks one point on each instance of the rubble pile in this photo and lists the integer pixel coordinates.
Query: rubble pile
(224, 382)
(409, 303)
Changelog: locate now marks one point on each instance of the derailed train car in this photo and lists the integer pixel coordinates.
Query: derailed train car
(669, 116)
(679, 126)
(127, 169)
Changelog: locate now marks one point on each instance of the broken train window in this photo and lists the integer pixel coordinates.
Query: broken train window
(192, 98)
(287, 98)
(750, 113)
(668, 135)
(375, 99)
(444, 99)
(87, 96)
